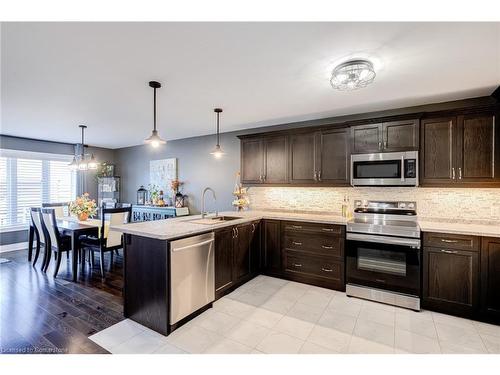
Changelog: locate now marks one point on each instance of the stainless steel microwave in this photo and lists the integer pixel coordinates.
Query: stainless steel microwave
(385, 169)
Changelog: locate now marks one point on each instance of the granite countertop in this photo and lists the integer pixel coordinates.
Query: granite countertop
(471, 228)
(170, 229)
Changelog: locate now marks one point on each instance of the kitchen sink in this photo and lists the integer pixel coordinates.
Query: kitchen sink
(214, 220)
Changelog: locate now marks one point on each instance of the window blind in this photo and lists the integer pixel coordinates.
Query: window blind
(30, 179)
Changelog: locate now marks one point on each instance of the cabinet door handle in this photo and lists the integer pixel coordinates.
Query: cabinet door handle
(326, 269)
(459, 173)
(449, 251)
(385, 144)
(448, 241)
(297, 243)
(253, 227)
(297, 265)
(315, 176)
(326, 247)
(380, 145)
(319, 175)
(237, 232)
(452, 173)
(232, 229)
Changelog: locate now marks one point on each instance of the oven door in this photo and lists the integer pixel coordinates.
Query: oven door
(383, 262)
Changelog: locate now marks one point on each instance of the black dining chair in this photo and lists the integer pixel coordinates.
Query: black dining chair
(36, 222)
(108, 240)
(54, 240)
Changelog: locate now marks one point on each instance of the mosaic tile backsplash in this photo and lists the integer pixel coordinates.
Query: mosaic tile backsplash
(432, 203)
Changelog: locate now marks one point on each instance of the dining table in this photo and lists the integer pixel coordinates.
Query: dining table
(75, 228)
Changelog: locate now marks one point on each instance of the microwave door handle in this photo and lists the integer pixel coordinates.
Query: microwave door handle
(352, 171)
(402, 168)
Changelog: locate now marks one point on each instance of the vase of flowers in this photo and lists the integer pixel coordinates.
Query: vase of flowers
(83, 207)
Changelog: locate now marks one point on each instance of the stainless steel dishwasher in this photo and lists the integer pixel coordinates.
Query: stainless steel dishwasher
(192, 275)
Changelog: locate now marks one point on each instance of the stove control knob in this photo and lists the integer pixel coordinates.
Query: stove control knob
(411, 206)
(358, 203)
(402, 205)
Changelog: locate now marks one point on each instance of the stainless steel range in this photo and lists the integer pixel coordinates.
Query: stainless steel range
(383, 253)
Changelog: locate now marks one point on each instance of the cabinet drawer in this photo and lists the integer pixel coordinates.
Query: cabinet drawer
(451, 241)
(313, 265)
(301, 227)
(321, 244)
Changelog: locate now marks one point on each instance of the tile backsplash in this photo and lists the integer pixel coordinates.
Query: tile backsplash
(433, 203)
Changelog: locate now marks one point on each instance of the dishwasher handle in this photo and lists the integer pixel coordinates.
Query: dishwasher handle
(193, 245)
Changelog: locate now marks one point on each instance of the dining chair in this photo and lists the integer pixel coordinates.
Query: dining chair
(58, 208)
(54, 240)
(108, 240)
(36, 221)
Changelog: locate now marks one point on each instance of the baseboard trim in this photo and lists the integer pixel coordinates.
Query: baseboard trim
(13, 247)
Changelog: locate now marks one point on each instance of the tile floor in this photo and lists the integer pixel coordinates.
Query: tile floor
(269, 315)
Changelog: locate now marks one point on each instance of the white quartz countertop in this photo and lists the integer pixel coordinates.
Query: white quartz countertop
(485, 230)
(170, 229)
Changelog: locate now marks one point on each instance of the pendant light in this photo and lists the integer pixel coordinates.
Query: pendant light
(83, 161)
(217, 152)
(154, 140)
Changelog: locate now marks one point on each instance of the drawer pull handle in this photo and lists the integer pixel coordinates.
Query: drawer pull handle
(327, 229)
(448, 241)
(326, 247)
(297, 265)
(297, 243)
(326, 269)
(449, 251)
(297, 226)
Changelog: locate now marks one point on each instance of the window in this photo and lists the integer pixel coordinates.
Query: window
(28, 179)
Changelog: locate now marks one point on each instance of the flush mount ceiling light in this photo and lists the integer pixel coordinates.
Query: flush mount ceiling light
(352, 75)
(154, 140)
(83, 161)
(217, 152)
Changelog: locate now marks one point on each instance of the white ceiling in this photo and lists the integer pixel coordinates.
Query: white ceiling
(58, 75)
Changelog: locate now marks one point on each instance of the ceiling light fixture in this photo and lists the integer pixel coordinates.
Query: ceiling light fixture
(83, 161)
(352, 75)
(154, 140)
(217, 152)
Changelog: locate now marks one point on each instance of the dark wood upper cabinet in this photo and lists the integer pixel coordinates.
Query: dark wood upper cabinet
(223, 260)
(303, 158)
(490, 278)
(400, 135)
(451, 281)
(252, 160)
(385, 137)
(460, 151)
(334, 157)
(437, 151)
(275, 160)
(478, 144)
(366, 138)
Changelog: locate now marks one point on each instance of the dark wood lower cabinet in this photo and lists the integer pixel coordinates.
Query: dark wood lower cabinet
(241, 253)
(271, 246)
(223, 260)
(490, 279)
(451, 281)
(255, 248)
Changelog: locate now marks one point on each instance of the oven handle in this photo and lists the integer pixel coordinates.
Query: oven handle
(413, 243)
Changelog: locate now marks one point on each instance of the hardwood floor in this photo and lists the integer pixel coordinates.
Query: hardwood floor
(40, 314)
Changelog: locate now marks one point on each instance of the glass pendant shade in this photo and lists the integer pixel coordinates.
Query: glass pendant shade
(217, 152)
(155, 140)
(92, 164)
(82, 161)
(73, 165)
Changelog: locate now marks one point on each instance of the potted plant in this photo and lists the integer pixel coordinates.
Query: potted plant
(83, 207)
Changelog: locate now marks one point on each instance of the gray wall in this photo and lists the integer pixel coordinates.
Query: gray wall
(87, 182)
(197, 169)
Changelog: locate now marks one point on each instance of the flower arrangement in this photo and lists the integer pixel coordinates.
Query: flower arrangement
(240, 194)
(83, 207)
(154, 194)
(175, 185)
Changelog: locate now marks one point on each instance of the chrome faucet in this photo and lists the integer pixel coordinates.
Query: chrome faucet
(203, 213)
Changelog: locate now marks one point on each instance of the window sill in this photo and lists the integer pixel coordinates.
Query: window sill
(13, 228)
